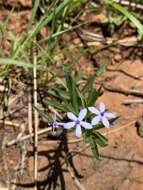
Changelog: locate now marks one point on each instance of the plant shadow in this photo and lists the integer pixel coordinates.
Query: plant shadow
(55, 170)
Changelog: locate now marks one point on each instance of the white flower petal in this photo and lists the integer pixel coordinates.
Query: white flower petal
(105, 122)
(69, 125)
(94, 110)
(110, 115)
(82, 114)
(78, 131)
(86, 125)
(60, 123)
(71, 116)
(102, 107)
(96, 120)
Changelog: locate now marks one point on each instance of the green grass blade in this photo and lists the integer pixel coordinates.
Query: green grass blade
(34, 11)
(44, 21)
(124, 11)
(8, 61)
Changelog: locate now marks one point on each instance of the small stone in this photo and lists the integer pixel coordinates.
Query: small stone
(76, 41)
(117, 57)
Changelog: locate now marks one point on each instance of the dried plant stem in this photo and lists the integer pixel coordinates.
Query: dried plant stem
(26, 137)
(125, 73)
(4, 161)
(131, 4)
(35, 120)
(133, 101)
(127, 92)
(77, 182)
(10, 123)
(30, 119)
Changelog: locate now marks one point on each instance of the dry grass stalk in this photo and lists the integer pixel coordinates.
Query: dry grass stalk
(36, 121)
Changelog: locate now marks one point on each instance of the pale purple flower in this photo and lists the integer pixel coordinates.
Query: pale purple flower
(101, 115)
(77, 122)
(55, 123)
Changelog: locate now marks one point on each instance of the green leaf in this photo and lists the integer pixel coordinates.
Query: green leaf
(89, 85)
(34, 11)
(69, 107)
(101, 69)
(94, 139)
(43, 114)
(90, 138)
(62, 82)
(92, 97)
(55, 104)
(58, 93)
(72, 92)
(94, 149)
(100, 139)
(82, 102)
(8, 61)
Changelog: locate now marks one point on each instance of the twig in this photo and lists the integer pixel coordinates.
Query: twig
(19, 167)
(77, 182)
(36, 121)
(21, 132)
(9, 123)
(124, 91)
(131, 4)
(125, 73)
(26, 137)
(4, 161)
(30, 119)
(135, 101)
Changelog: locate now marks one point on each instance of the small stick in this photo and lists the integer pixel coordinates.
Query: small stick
(135, 101)
(26, 137)
(124, 91)
(77, 182)
(30, 119)
(36, 121)
(131, 4)
(10, 123)
(4, 161)
(125, 73)
(21, 132)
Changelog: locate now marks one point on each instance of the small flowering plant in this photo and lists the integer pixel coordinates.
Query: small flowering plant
(77, 105)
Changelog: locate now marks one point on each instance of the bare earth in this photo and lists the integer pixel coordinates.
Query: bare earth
(120, 164)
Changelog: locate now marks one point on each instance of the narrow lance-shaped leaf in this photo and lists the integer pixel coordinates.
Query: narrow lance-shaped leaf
(72, 91)
(92, 97)
(58, 93)
(55, 104)
(89, 85)
(90, 139)
(100, 139)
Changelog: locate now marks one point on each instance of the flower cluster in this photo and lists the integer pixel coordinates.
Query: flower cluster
(78, 121)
